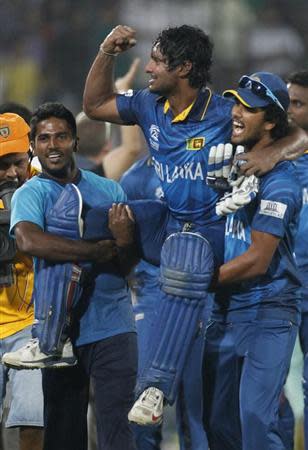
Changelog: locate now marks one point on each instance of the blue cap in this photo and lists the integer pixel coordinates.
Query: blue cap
(261, 89)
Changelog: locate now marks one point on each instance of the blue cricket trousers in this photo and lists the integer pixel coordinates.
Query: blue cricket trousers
(245, 367)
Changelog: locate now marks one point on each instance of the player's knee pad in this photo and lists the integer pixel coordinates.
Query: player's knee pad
(186, 271)
(58, 287)
(187, 265)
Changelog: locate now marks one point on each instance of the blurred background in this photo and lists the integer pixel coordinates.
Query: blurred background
(46, 49)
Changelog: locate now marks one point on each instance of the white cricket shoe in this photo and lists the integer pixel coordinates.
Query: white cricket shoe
(148, 409)
(31, 357)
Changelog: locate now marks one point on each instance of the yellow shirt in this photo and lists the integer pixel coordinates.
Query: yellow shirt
(16, 313)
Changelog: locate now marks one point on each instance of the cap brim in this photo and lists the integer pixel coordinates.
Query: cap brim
(21, 145)
(247, 98)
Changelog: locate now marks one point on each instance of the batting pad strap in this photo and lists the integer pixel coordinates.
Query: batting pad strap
(184, 284)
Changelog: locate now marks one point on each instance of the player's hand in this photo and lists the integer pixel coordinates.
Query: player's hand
(240, 196)
(121, 224)
(257, 162)
(222, 170)
(124, 83)
(103, 251)
(120, 39)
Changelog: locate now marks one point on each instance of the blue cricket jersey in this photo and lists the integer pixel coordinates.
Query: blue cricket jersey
(108, 311)
(301, 240)
(180, 147)
(274, 211)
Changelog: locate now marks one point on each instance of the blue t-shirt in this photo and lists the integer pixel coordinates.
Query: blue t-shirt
(274, 211)
(141, 182)
(180, 148)
(108, 311)
(301, 240)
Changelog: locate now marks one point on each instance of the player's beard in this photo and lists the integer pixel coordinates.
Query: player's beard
(60, 173)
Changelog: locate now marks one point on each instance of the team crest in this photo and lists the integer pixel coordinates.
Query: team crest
(4, 132)
(195, 143)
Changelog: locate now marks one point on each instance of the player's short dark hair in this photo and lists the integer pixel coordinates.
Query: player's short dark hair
(300, 78)
(52, 109)
(16, 108)
(187, 43)
(274, 113)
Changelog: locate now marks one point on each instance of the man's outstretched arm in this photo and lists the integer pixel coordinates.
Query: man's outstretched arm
(99, 95)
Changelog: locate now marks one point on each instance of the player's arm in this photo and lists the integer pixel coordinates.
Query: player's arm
(99, 100)
(31, 239)
(254, 262)
(122, 224)
(262, 160)
(121, 158)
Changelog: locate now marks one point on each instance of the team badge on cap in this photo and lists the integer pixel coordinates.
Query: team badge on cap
(13, 134)
(4, 132)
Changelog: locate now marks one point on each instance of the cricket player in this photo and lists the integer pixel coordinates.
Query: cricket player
(141, 182)
(251, 336)
(181, 119)
(47, 226)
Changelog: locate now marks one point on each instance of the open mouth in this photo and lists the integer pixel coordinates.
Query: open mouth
(237, 128)
(151, 80)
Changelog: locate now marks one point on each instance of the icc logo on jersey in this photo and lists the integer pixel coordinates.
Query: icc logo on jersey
(154, 133)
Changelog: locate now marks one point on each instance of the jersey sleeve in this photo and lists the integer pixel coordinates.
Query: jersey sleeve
(132, 105)
(116, 192)
(121, 195)
(27, 206)
(279, 202)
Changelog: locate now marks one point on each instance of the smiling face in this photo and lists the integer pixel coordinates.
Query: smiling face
(54, 146)
(298, 109)
(162, 80)
(249, 126)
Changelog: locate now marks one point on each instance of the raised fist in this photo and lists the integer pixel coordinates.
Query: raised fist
(120, 39)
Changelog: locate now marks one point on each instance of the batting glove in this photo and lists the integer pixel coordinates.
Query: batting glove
(222, 172)
(240, 196)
